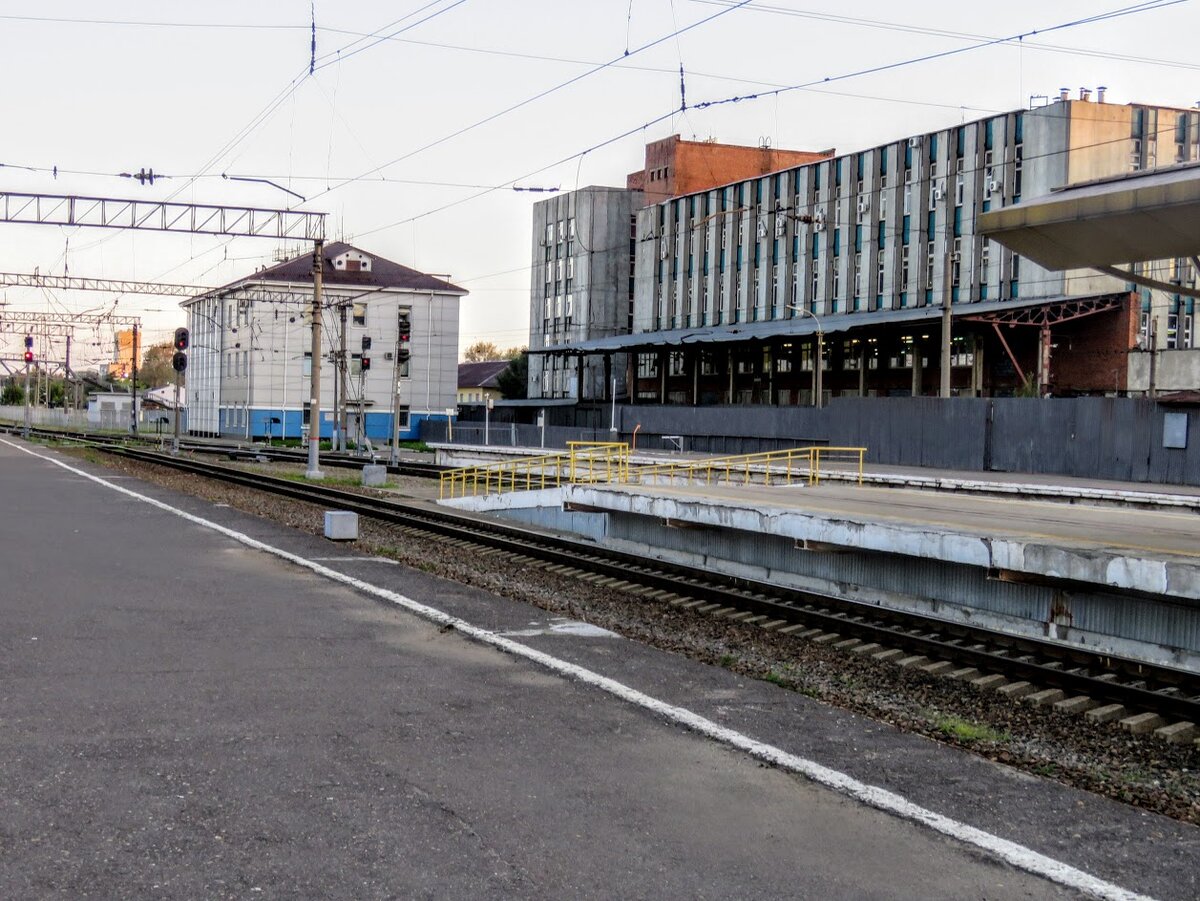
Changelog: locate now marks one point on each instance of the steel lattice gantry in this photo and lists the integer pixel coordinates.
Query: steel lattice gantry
(249, 290)
(161, 215)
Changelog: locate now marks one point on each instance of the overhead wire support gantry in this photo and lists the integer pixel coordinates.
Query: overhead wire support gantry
(161, 215)
(194, 219)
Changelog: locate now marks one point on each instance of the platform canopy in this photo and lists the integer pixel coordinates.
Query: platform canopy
(1133, 218)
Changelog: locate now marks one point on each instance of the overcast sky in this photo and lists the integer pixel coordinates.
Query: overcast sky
(179, 87)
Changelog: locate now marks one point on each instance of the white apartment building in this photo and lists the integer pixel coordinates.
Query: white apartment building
(250, 358)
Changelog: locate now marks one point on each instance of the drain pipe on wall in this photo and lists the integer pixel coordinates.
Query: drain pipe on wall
(636, 428)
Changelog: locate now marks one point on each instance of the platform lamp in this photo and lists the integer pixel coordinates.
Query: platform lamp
(819, 363)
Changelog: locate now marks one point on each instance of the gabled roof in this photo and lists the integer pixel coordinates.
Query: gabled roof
(480, 375)
(382, 274)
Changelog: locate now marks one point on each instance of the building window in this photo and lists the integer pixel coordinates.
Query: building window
(1172, 331)
(359, 313)
(306, 365)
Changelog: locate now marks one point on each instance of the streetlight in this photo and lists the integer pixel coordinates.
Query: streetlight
(818, 388)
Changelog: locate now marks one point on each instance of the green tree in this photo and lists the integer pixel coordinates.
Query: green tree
(513, 381)
(482, 352)
(13, 395)
(512, 353)
(156, 370)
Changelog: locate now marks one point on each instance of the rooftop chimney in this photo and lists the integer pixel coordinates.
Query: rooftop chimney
(1064, 94)
(1100, 93)
(1085, 94)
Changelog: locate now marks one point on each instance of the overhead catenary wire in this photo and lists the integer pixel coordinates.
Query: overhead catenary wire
(928, 57)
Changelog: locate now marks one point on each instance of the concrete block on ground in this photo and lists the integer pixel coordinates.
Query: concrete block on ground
(848, 644)
(962, 675)
(1077, 704)
(374, 475)
(889, 655)
(1177, 733)
(1046, 697)
(1141, 723)
(794, 627)
(812, 633)
(341, 525)
(772, 625)
(995, 680)
(911, 661)
(1016, 689)
(938, 667)
(826, 638)
(869, 648)
(1107, 713)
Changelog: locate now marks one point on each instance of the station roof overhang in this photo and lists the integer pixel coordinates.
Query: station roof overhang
(799, 327)
(1132, 218)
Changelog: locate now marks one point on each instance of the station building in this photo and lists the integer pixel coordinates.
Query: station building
(250, 359)
(584, 251)
(733, 283)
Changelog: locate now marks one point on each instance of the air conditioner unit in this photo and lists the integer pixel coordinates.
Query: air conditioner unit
(819, 221)
(663, 250)
(864, 204)
(939, 190)
(914, 142)
(762, 229)
(955, 256)
(996, 186)
(780, 225)
(388, 355)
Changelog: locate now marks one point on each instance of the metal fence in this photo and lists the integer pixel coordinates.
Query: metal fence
(1092, 437)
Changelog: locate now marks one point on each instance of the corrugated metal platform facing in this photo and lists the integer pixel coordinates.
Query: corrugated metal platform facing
(1136, 550)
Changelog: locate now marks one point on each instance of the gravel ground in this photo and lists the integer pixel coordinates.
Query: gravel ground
(1144, 772)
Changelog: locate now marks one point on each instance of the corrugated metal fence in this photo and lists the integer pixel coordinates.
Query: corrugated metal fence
(1091, 437)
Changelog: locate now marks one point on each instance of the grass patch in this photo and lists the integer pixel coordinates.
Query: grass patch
(965, 730)
(727, 660)
(344, 481)
(777, 678)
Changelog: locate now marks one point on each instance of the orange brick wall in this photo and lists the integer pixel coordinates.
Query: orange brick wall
(675, 167)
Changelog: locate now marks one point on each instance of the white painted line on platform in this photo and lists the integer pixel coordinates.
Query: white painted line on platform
(1017, 855)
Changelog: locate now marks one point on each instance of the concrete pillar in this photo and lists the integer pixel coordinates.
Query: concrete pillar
(862, 369)
(693, 358)
(579, 380)
(917, 368)
(663, 357)
(729, 375)
(1043, 376)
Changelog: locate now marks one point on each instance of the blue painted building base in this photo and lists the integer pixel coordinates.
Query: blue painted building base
(278, 424)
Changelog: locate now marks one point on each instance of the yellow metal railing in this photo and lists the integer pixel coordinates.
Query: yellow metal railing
(590, 462)
(802, 464)
(584, 462)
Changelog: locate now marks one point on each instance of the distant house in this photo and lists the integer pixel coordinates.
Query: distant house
(477, 381)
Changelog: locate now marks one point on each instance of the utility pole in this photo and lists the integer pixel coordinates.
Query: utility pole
(314, 408)
(175, 441)
(25, 431)
(133, 418)
(342, 415)
(67, 405)
(947, 300)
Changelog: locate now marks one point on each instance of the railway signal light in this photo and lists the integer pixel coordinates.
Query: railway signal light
(181, 339)
(29, 342)
(179, 361)
(29, 356)
(366, 363)
(366, 342)
(404, 320)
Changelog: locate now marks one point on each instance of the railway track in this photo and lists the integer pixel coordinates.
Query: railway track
(235, 451)
(1028, 665)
